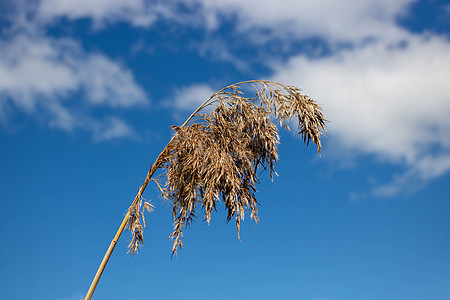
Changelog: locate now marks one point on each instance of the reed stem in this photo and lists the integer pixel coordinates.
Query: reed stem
(102, 266)
(241, 126)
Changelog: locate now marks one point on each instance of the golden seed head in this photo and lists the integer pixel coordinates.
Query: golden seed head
(216, 156)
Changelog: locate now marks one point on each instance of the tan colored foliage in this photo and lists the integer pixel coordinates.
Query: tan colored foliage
(216, 157)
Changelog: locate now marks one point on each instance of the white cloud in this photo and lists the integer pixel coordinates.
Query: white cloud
(38, 74)
(28, 67)
(113, 128)
(100, 11)
(392, 101)
(345, 20)
(191, 97)
(107, 82)
(334, 20)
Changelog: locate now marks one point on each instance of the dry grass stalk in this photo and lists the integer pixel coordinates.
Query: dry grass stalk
(216, 156)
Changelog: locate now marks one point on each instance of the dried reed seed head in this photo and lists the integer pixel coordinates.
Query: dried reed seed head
(136, 224)
(216, 156)
(219, 160)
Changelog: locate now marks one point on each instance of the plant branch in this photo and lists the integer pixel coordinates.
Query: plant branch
(217, 158)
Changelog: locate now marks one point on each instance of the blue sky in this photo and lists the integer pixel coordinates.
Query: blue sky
(88, 90)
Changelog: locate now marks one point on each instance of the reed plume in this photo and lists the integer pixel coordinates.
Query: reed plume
(216, 155)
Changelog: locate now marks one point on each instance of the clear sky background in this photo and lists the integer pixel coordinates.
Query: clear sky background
(89, 88)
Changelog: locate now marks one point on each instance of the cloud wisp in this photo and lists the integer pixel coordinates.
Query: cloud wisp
(56, 80)
(101, 12)
(338, 21)
(390, 101)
